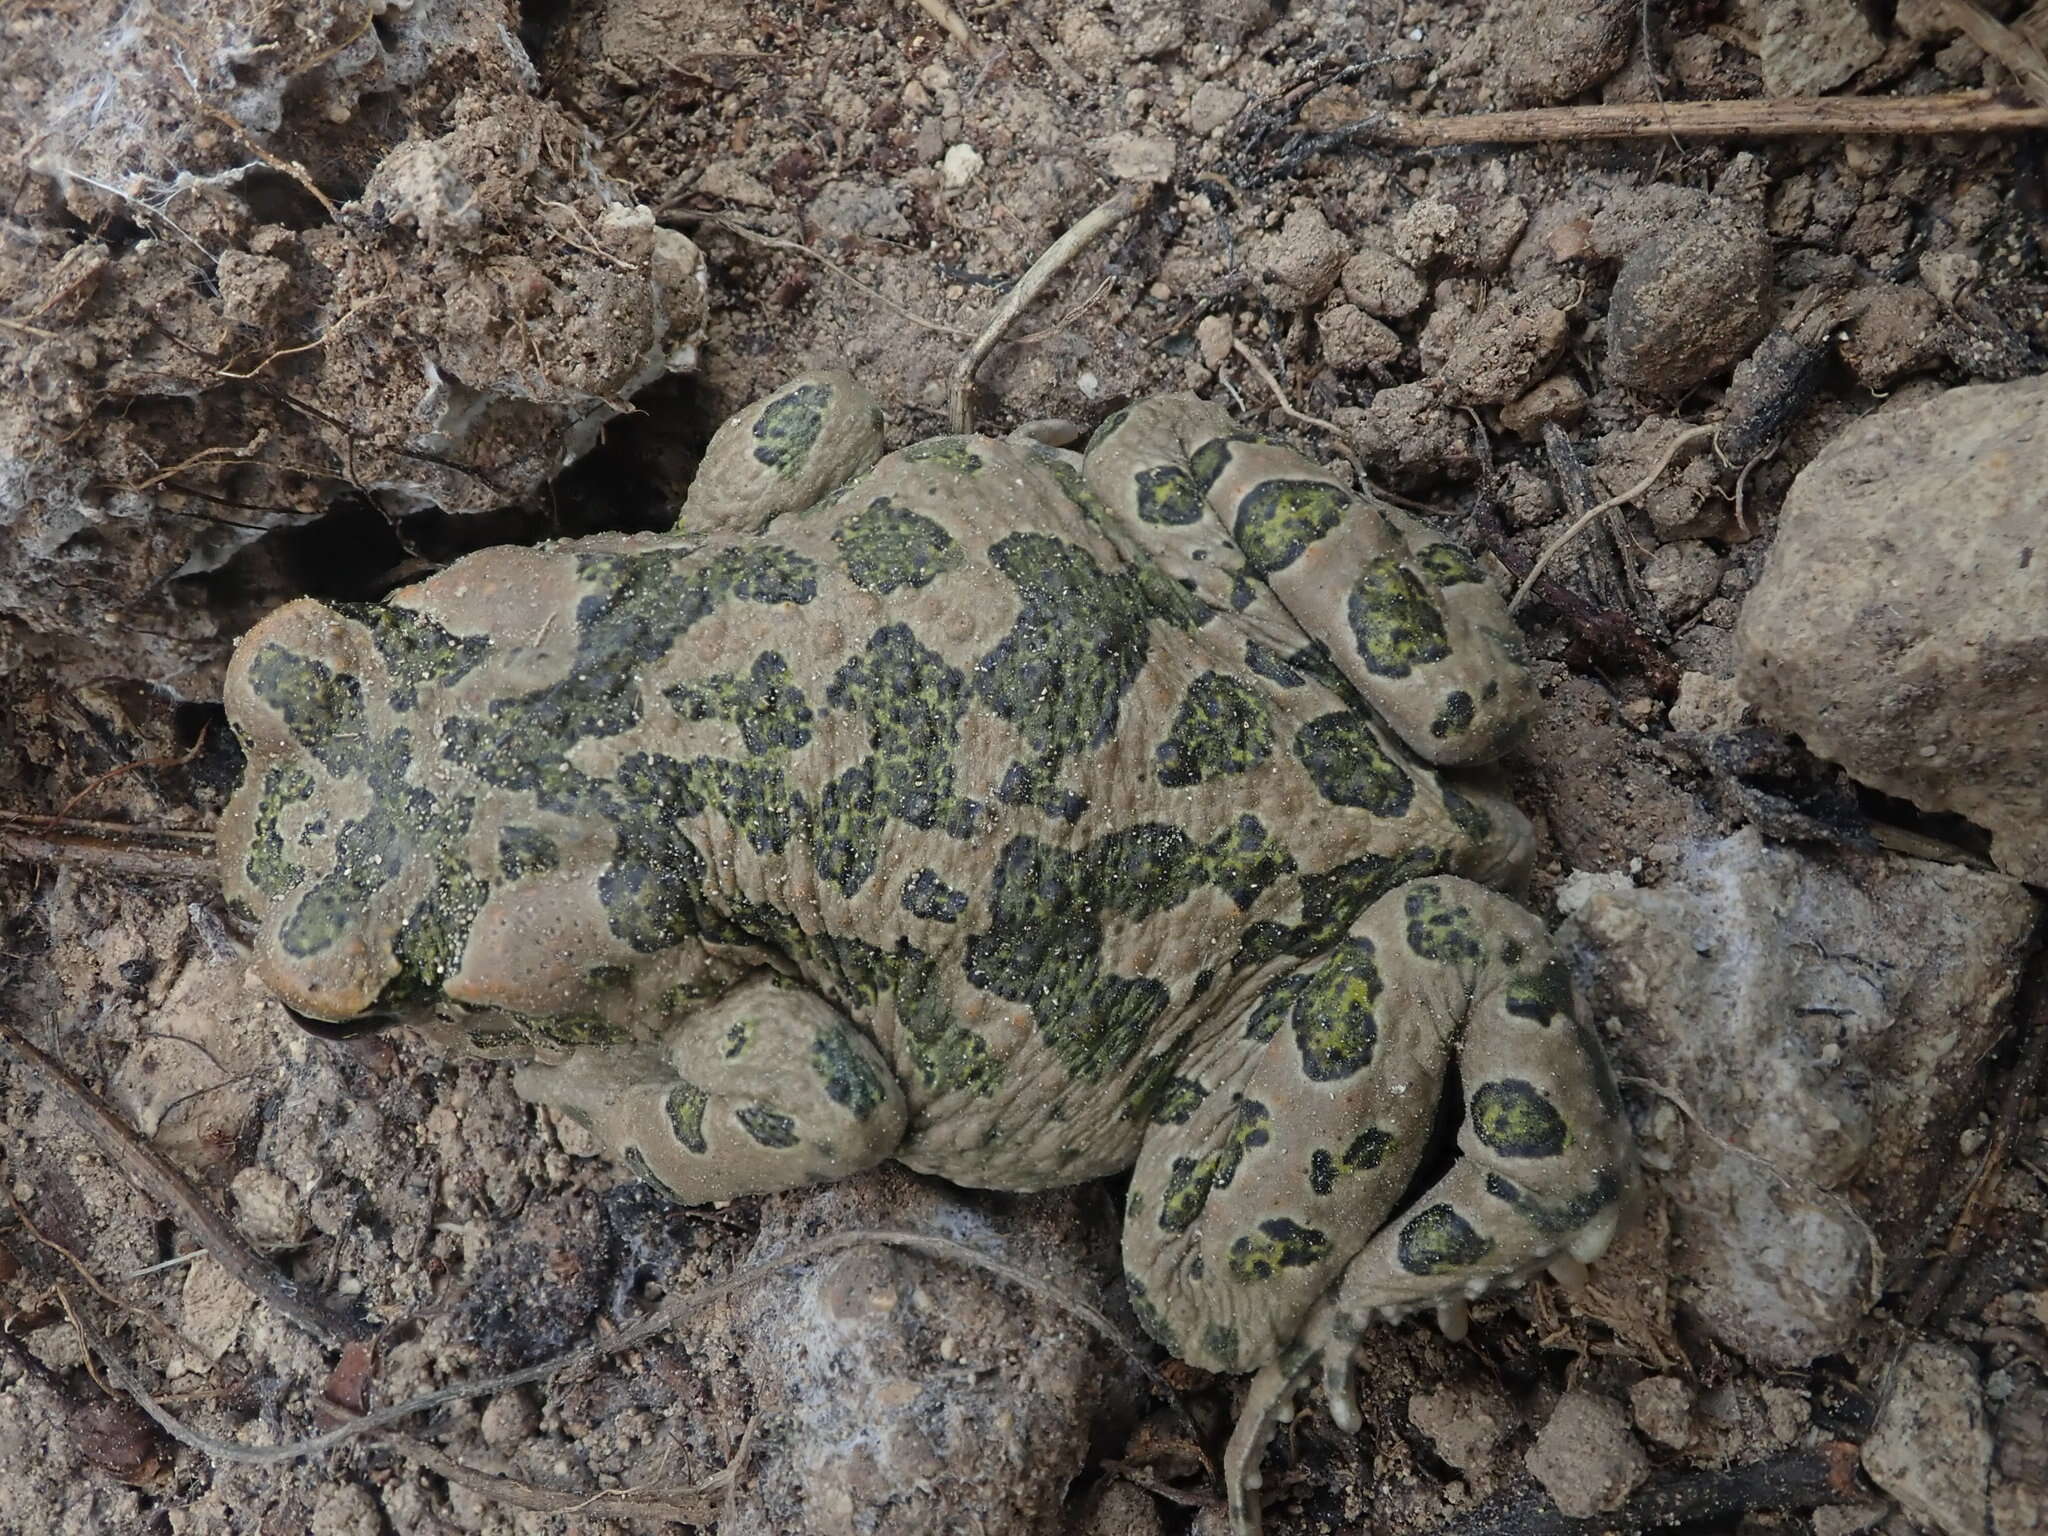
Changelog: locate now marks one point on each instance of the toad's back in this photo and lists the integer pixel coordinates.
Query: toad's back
(944, 746)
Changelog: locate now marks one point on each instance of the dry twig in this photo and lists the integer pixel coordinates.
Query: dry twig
(144, 1167)
(1952, 112)
(1575, 493)
(660, 1502)
(1092, 226)
(115, 848)
(1769, 450)
(1802, 1479)
(2008, 45)
(219, 453)
(78, 1265)
(2029, 1074)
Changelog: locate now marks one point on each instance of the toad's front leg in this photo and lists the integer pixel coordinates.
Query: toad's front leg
(766, 1088)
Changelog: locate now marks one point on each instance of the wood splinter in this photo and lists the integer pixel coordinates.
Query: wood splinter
(1950, 112)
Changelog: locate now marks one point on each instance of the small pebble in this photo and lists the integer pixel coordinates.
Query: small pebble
(961, 167)
(1559, 398)
(1585, 1457)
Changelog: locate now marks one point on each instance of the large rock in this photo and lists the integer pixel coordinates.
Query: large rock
(1901, 626)
(1813, 1025)
(440, 307)
(895, 1389)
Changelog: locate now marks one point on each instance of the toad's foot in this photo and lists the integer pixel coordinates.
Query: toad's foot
(1327, 1352)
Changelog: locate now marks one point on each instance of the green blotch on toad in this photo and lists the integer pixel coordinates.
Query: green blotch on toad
(788, 428)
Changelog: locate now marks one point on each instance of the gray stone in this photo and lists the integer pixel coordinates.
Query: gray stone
(1353, 340)
(847, 210)
(1812, 1024)
(1559, 398)
(1411, 436)
(1901, 626)
(1931, 1447)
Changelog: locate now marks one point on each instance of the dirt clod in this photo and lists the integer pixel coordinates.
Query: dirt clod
(1411, 435)
(1505, 349)
(1381, 284)
(1585, 1457)
(1663, 1409)
(1352, 340)
(1300, 263)
(1688, 302)
(1548, 56)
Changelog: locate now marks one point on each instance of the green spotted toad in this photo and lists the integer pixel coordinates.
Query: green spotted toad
(1019, 814)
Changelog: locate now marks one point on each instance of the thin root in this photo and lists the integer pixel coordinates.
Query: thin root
(1092, 226)
(220, 451)
(305, 346)
(1585, 519)
(1338, 439)
(1768, 451)
(661, 1321)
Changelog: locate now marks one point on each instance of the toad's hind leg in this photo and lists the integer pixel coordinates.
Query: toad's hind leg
(767, 1088)
(1406, 615)
(1274, 1153)
(1546, 1167)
